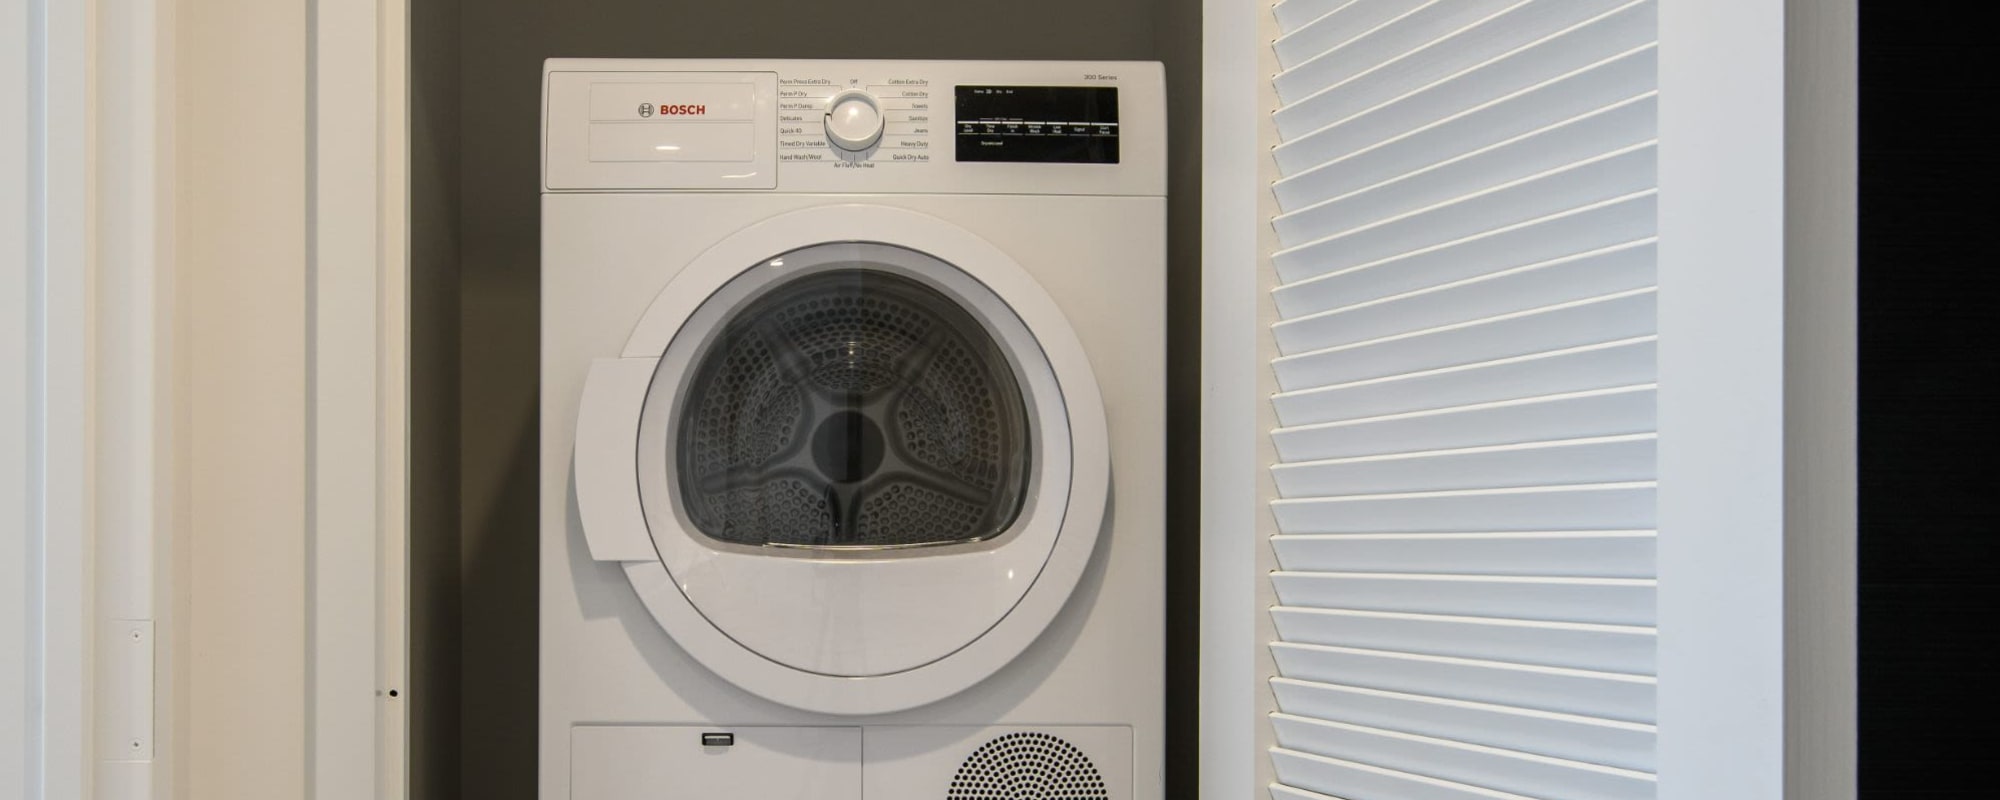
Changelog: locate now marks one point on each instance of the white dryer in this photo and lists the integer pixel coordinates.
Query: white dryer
(852, 428)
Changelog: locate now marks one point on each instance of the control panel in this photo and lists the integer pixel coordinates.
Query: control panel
(855, 126)
(827, 120)
(1041, 124)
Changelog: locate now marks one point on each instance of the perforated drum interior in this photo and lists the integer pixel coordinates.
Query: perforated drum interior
(852, 408)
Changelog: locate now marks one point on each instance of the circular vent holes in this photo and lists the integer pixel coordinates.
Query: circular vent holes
(1025, 766)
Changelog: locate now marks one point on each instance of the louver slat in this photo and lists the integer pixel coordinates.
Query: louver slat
(1559, 554)
(1565, 325)
(1282, 792)
(1323, 245)
(1614, 127)
(1329, 284)
(1465, 356)
(1573, 645)
(1294, 14)
(1475, 765)
(1598, 366)
(1594, 740)
(1572, 415)
(1386, 46)
(1310, 35)
(1591, 693)
(1627, 458)
(1347, 164)
(1364, 81)
(1611, 601)
(1355, 779)
(1610, 271)
(1560, 53)
(1589, 506)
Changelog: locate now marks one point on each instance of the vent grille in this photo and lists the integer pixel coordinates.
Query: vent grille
(1025, 766)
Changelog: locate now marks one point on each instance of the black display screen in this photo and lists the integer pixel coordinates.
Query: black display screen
(1041, 124)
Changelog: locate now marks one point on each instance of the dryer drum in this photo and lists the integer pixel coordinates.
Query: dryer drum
(852, 408)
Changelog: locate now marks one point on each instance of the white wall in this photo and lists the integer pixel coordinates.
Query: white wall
(241, 114)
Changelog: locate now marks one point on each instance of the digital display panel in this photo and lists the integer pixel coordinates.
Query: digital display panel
(1038, 124)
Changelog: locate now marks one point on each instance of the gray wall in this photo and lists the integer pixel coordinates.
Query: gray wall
(476, 248)
(434, 399)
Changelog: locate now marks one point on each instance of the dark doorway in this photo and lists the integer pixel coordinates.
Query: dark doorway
(1928, 526)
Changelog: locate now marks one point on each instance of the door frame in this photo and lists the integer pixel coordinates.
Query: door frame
(99, 436)
(1757, 411)
(46, 642)
(1235, 147)
(359, 337)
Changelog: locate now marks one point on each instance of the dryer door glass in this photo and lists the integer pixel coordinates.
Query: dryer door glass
(851, 408)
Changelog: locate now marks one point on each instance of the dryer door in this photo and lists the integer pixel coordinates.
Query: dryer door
(870, 459)
(848, 410)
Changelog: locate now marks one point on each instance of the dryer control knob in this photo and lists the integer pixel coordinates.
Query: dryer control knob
(853, 121)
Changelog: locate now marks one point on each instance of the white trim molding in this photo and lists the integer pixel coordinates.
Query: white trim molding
(357, 269)
(134, 369)
(46, 293)
(392, 396)
(161, 214)
(1757, 399)
(1231, 520)
(19, 531)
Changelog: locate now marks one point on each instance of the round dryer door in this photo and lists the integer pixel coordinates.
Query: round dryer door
(851, 409)
(871, 467)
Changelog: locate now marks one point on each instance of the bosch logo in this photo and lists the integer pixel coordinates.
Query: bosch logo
(667, 110)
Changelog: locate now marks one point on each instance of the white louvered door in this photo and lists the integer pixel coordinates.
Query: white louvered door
(1464, 355)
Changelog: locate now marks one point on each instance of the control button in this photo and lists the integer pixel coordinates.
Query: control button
(853, 121)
